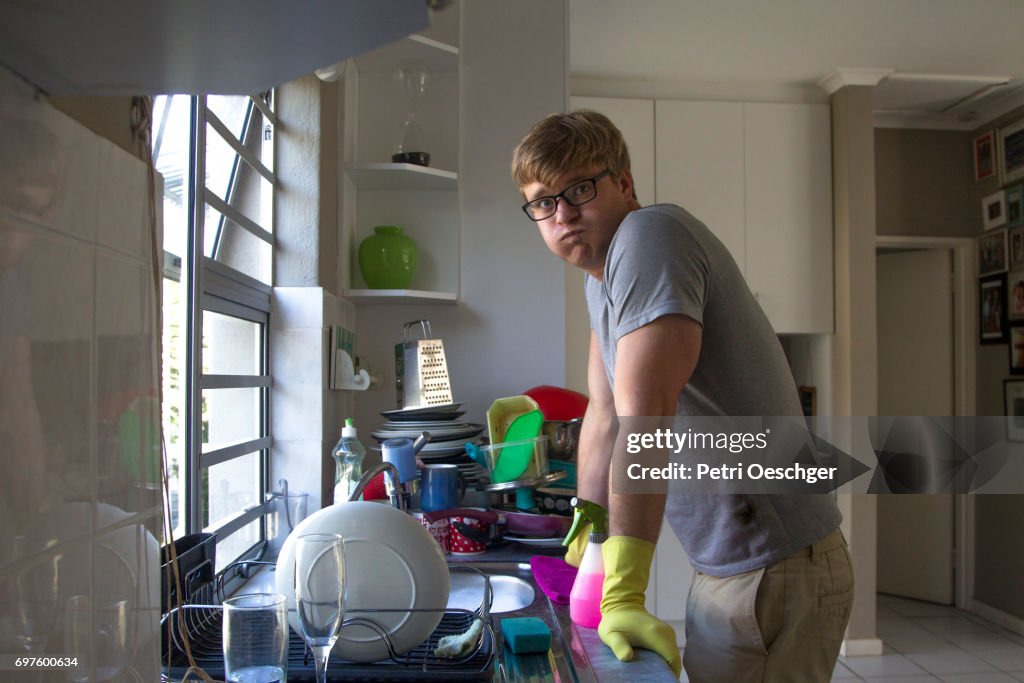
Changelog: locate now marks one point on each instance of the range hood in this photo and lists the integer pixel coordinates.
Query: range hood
(150, 47)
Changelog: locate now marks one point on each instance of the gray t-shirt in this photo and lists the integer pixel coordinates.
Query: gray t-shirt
(663, 261)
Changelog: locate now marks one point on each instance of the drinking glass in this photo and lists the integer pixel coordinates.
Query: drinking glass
(255, 638)
(319, 593)
(36, 594)
(98, 633)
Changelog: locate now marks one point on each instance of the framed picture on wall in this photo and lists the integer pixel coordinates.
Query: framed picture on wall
(992, 310)
(985, 156)
(992, 253)
(993, 210)
(1015, 205)
(1015, 294)
(1017, 348)
(1016, 240)
(1011, 152)
(1013, 403)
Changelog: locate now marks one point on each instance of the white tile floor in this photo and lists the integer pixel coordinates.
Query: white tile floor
(926, 642)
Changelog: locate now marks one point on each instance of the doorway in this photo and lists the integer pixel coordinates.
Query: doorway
(925, 356)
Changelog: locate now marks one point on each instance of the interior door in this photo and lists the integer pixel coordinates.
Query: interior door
(915, 377)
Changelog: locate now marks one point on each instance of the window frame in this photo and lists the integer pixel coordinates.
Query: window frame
(214, 286)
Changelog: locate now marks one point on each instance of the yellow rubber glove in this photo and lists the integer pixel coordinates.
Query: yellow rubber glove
(625, 622)
(574, 555)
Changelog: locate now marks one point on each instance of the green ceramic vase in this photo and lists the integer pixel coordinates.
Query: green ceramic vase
(387, 258)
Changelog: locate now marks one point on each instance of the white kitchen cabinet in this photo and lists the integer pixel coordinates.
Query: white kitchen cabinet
(700, 166)
(788, 200)
(759, 175)
(635, 119)
(423, 200)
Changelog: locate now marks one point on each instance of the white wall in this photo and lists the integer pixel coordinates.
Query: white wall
(508, 332)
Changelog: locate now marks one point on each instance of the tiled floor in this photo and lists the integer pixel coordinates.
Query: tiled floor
(926, 642)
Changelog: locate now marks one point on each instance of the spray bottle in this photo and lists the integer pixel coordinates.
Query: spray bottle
(585, 596)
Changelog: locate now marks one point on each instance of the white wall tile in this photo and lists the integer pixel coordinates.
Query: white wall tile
(49, 174)
(295, 307)
(298, 368)
(122, 216)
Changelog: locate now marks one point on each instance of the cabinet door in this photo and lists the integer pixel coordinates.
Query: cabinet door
(635, 118)
(699, 165)
(788, 181)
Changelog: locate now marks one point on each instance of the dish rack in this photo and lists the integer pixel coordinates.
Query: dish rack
(201, 624)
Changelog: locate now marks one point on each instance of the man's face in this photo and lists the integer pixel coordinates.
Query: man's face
(580, 235)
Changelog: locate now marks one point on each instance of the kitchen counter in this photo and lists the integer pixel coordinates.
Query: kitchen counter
(590, 659)
(576, 653)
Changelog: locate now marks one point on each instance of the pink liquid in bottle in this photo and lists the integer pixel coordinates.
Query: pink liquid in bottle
(585, 599)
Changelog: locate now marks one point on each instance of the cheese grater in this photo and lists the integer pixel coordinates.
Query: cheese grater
(421, 371)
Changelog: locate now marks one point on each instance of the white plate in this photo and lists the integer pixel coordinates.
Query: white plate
(539, 542)
(391, 562)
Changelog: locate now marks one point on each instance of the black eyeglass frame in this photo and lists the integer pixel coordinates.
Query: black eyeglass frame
(562, 195)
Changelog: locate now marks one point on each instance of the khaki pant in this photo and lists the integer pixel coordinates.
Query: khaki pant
(784, 622)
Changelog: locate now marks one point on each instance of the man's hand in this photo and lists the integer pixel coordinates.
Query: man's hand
(625, 622)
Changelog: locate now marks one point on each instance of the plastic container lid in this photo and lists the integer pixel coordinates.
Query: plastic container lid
(349, 429)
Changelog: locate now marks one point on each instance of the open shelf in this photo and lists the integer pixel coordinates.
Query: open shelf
(386, 176)
(398, 296)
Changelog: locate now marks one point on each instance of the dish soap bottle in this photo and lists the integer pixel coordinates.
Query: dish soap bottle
(585, 596)
(348, 458)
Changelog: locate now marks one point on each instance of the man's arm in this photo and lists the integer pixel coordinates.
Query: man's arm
(653, 363)
(597, 434)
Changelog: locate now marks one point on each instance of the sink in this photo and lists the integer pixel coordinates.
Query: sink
(517, 595)
(511, 593)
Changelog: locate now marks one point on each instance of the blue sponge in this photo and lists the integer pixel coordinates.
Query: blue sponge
(524, 635)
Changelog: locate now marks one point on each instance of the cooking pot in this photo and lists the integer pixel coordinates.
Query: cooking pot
(491, 532)
(563, 437)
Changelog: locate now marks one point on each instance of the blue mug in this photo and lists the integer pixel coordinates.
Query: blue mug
(401, 453)
(441, 487)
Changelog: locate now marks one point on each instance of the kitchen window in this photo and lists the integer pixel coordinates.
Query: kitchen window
(216, 155)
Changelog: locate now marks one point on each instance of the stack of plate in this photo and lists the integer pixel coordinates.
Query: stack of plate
(448, 435)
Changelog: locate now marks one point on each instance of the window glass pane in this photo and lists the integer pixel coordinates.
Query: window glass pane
(230, 416)
(229, 487)
(237, 543)
(230, 109)
(174, 397)
(237, 247)
(171, 142)
(231, 346)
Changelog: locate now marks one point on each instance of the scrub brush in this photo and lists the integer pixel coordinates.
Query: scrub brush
(460, 644)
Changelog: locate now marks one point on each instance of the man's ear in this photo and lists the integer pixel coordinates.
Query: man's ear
(626, 184)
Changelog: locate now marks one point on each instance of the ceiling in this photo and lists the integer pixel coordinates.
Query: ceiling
(944, 63)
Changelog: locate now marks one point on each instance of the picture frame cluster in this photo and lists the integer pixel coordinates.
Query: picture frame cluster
(999, 154)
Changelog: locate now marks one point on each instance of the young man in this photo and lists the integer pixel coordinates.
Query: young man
(676, 331)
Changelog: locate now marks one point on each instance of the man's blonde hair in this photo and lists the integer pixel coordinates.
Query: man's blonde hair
(561, 143)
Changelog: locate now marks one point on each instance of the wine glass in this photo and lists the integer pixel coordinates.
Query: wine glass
(319, 593)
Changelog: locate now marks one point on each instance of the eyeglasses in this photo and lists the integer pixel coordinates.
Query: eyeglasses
(577, 194)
